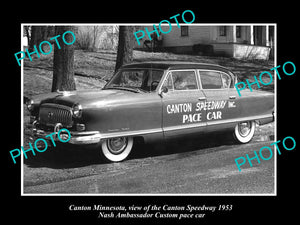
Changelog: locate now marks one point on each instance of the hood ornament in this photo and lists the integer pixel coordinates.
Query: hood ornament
(65, 93)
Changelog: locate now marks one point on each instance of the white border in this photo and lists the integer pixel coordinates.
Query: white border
(148, 24)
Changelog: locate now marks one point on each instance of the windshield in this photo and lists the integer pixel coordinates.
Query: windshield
(142, 79)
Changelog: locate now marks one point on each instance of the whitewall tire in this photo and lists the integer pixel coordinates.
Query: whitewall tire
(116, 149)
(244, 131)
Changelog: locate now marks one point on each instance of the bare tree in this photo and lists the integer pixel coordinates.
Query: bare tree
(63, 61)
(96, 31)
(113, 35)
(125, 46)
(37, 35)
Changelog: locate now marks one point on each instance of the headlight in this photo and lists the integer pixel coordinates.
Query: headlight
(77, 111)
(29, 104)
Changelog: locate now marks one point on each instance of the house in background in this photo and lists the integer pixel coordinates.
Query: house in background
(242, 42)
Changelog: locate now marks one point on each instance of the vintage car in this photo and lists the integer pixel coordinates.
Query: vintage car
(153, 101)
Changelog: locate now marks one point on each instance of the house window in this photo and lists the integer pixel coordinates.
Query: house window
(222, 30)
(238, 31)
(184, 31)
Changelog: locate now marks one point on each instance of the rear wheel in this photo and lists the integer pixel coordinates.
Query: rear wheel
(244, 131)
(116, 149)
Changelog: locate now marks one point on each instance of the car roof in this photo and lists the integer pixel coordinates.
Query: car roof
(174, 65)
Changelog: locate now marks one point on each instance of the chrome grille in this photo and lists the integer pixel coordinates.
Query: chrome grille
(50, 114)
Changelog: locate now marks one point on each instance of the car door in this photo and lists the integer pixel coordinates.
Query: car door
(219, 105)
(180, 102)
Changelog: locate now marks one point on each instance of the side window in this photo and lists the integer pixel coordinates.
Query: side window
(152, 80)
(226, 80)
(184, 80)
(233, 79)
(155, 75)
(211, 80)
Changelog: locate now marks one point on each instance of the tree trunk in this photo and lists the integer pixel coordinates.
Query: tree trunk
(125, 46)
(63, 61)
(35, 37)
(38, 34)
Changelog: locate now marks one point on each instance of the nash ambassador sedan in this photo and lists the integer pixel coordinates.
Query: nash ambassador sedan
(153, 101)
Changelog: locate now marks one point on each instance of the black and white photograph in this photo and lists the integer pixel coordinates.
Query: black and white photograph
(149, 109)
(150, 113)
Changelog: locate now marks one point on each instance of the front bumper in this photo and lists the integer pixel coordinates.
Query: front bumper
(77, 137)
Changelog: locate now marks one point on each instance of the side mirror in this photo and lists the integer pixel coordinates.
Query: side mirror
(163, 90)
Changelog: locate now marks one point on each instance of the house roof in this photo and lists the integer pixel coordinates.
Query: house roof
(165, 65)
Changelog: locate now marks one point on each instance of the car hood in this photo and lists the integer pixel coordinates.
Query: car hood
(87, 98)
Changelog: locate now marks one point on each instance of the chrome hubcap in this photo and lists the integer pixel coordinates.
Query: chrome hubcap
(244, 128)
(117, 145)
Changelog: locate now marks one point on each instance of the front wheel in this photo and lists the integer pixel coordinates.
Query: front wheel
(117, 149)
(244, 131)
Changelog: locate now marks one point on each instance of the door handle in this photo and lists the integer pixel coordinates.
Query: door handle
(232, 97)
(202, 98)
